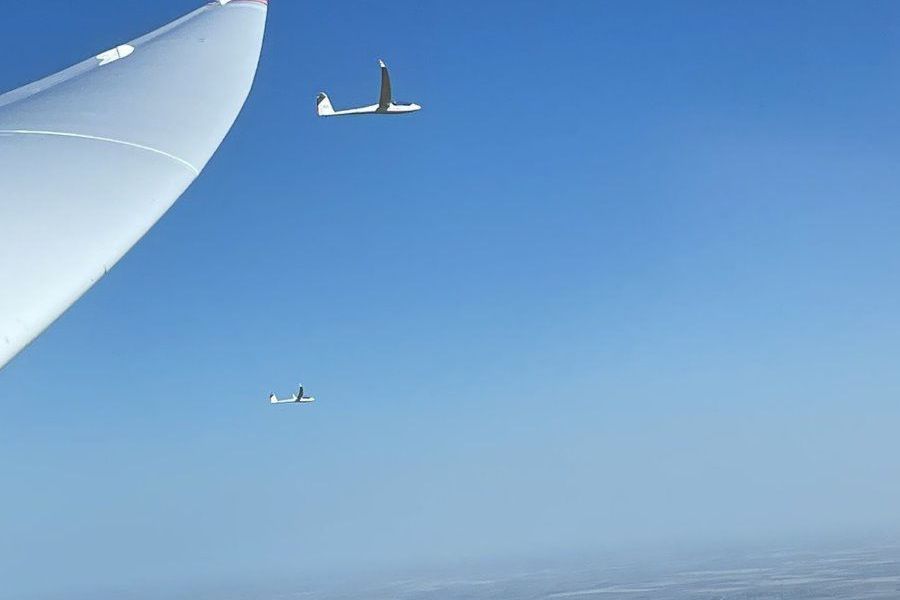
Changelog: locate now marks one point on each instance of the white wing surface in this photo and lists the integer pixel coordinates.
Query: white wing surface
(92, 157)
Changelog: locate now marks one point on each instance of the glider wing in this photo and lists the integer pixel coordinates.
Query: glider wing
(92, 157)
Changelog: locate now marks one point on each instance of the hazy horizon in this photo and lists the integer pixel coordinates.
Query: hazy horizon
(833, 567)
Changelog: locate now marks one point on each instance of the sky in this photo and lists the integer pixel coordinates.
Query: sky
(629, 279)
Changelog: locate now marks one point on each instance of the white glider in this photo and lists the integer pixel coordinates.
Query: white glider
(297, 398)
(92, 157)
(385, 106)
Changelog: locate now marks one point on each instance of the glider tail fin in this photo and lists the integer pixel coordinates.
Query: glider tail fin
(323, 105)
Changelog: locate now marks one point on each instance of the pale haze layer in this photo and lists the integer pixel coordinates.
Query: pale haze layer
(629, 278)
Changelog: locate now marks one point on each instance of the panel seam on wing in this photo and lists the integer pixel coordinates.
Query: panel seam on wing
(97, 138)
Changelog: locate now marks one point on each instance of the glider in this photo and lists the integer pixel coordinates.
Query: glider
(92, 157)
(297, 398)
(385, 106)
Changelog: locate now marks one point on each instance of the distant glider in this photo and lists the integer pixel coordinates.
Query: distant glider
(297, 398)
(385, 106)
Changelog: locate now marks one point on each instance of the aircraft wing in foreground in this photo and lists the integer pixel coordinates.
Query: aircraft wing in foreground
(385, 106)
(91, 158)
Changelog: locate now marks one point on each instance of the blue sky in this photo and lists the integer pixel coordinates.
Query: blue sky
(629, 278)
